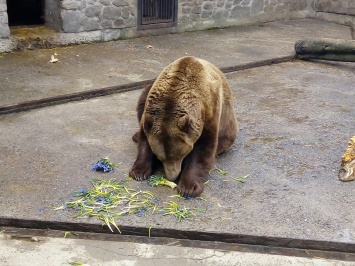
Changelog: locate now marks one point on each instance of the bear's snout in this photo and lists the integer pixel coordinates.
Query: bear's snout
(172, 170)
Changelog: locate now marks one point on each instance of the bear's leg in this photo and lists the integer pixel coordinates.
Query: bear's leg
(196, 166)
(228, 129)
(140, 108)
(143, 166)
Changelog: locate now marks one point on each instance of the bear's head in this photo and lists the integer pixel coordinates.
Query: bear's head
(171, 138)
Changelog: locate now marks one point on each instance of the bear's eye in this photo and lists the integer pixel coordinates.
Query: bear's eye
(185, 124)
(147, 124)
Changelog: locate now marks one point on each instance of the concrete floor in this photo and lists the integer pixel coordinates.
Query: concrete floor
(60, 252)
(295, 120)
(47, 247)
(28, 75)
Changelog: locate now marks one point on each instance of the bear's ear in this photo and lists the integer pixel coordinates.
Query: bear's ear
(185, 124)
(148, 123)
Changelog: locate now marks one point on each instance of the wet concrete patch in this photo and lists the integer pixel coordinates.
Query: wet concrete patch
(295, 120)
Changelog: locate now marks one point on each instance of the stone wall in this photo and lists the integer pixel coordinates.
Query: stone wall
(80, 21)
(4, 26)
(52, 15)
(338, 11)
(344, 7)
(90, 15)
(215, 13)
(5, 42)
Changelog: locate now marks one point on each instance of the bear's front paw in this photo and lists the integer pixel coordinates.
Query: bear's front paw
(190, 187)
(140, 172)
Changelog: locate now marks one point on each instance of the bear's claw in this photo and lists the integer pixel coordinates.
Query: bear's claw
(140, 173)
(192, 190)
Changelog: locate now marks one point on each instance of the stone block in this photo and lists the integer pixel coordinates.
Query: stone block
(196, 10)
(186, 10)
(3, 6)
(218, 13)
(207, 6)
(194, 17)
(125, 12)
(131, 10)
(119, 23)
(131, 22)
(240, 12)
(268, 8)
(6, 45)
(82, 37)
(111, 12)
(89, 24)
(298, 5)
(119, 3)
(71, 20)
(4, 31)
(3, 18)
(106, 23)
(184, 19)
(92, 11)
(111, 34)
(69, 4)
(228, 5)
(206, 14)
(346, 7)
(198, 2)
(220, 3)
(105, 2)
(245, 2)
(257, 6)
(237, 2)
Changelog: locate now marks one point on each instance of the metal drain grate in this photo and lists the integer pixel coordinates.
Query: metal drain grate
(154, 14)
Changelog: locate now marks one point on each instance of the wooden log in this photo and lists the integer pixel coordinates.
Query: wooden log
(326, 49)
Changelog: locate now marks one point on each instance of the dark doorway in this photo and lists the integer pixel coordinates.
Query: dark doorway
(157, 13)
(25, 12)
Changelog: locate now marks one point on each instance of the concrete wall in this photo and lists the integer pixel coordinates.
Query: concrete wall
(338, 11)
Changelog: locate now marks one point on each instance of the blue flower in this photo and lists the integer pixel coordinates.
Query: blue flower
(103, 165)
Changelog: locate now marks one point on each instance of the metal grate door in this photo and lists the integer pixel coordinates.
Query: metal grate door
(154, 14)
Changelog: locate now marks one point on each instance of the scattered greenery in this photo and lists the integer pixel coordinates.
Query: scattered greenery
(77, 263)
(222, 172)
(156, 181)
(109, 200)
(70, 233)
(175, 210)
(240, 179)
(223, 219)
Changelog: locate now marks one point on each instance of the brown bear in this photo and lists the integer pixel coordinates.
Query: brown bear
(186, 118)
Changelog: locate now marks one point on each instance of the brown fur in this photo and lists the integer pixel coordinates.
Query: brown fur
(186, 118)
